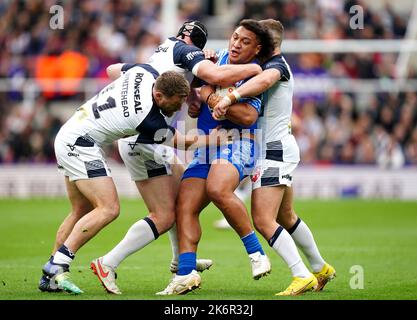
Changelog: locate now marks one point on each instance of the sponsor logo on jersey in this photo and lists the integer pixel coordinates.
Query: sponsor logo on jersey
(161, 48)
(191, 55)
(73, 154)
(287, 176)
(133, 154)
(124, 92)
(136, 91)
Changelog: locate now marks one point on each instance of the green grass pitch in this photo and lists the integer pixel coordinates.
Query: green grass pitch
(378, 236)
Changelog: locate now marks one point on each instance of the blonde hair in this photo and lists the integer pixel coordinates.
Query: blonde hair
(171, 84)
(276, 29)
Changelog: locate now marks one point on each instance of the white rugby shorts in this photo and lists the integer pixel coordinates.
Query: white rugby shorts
(145, 161)
(79, 157)
(268, 173)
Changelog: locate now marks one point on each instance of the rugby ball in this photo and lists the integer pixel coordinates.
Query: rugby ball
(224, 91)
(221, 92)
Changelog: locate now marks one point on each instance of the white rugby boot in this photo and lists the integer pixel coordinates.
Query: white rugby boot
(261, 266)
(182, 284)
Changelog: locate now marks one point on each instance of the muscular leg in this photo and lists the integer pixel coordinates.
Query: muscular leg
(266, 202)
(80, 207)
(192, 199)
(177, 172)
(160, 218)
(222, 181)
(299, 231)
(102, 194)
(286, 214)
(161, 208)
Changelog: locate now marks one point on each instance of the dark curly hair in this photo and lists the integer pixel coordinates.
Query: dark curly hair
(262, 35)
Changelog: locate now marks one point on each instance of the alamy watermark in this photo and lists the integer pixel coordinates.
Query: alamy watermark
(57, 19)
(357, 280)
(356, 20)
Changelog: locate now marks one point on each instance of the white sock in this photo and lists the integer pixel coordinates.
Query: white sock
(61, 258)
(172, 233)
(139, 235)
(305, 241)
(284, 245)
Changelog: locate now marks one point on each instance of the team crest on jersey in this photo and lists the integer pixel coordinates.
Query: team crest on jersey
(132, 145)
(257, 173)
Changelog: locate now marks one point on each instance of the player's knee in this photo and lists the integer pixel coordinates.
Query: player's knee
(82, 209)
(261, 224)
(164, 220)
(111, 212)
(169, 223)
(216, 194)
(182, 203)
(287, 217)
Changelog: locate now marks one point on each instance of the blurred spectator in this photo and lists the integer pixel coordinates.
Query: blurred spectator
(391, 156)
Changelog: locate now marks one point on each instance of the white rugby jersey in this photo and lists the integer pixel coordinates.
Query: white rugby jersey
(123, 108)
(175, 55)
(275, 117)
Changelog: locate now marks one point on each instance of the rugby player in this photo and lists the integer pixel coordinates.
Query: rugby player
(272, 196)
(213, 175)
(134, 103)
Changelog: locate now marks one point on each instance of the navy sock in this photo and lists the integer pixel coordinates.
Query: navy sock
(252, 243)
(187, 262)
(63, 256)
(275, 236)
(64, 250)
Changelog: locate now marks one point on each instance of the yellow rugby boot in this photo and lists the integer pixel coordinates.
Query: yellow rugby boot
(299, 286)
(326, 274)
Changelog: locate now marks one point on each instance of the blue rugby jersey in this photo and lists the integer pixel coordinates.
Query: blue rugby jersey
(205, 120)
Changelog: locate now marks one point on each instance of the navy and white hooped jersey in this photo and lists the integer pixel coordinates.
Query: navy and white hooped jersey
(275, 117)
(123, 108)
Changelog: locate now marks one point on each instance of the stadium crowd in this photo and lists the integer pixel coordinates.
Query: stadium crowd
(331, 128)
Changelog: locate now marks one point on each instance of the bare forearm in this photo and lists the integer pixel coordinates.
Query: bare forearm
(226, 75)
(205, 91)
(232, 73)
(242, 114)
(259, 83)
